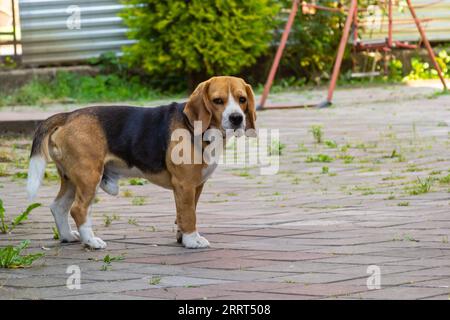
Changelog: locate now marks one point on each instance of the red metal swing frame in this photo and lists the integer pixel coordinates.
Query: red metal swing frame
(352, 18)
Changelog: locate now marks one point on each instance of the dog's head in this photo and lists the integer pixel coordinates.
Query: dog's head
(223, 103)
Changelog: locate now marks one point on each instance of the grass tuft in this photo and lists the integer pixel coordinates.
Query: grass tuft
(317, 133)
(319, 158)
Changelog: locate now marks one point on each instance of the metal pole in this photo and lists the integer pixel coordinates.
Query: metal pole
(14, 29)
(276, 61)
(340, 54)
(355, 28)
(427, 43)
(390, 24)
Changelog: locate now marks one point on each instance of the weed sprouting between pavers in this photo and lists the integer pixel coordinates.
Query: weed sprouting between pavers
(11, 257)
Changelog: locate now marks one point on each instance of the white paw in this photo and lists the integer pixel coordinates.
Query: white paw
(74, 236)
(95, 243)
(194, 241)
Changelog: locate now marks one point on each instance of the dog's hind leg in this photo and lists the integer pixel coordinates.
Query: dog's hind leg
(60, 209)
(86, 189)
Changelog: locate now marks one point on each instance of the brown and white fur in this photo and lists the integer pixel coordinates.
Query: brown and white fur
(94, 147)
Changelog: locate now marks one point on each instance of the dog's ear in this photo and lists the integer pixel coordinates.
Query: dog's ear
(198, 107)
(250, 126)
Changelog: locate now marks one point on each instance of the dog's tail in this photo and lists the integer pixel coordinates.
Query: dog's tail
(39, 152)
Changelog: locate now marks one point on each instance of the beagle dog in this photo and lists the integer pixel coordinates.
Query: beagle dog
(96, 146)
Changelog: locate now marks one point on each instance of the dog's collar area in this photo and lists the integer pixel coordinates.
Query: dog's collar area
(188, 123)
(191, 128)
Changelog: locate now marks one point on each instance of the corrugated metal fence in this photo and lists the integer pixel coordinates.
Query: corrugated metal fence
(60, 31)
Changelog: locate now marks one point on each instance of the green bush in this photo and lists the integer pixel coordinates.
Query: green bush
(313, 43)
(198, 38)
(425, 70)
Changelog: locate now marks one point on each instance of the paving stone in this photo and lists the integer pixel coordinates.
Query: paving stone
(103, 296)
(311, 277)
(179, 293)
(400, 293)
(288, 256)
(263, 296)
(330, 289)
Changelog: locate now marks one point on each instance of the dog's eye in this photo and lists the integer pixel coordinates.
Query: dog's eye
(218, 101)
(242, 100)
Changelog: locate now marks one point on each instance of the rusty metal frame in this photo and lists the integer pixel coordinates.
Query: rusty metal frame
(350, 20)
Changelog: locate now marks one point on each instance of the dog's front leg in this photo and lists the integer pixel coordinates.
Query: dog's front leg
(185, 200)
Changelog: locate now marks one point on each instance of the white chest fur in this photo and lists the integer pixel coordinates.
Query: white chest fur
(208, 171)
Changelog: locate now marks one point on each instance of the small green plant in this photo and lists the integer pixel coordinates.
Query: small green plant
(10, 257)
(325, 170)
(301, 148)
(137, 182)
(19, 175)
(276, 148)
(395, 154)
(4, 171)
(4, 227)
(127, 193)
(108, 260)
(154, 280)
(51, 176)
(331, 143)
(420, 187)
(55, 233)
(107, 219)
(403, 204)
(289, 281)
(406, 237)
(393, 178)
(347, 158)
(445, 179)
(410, 238)
(413, 168)
(133, 221)
(317, 133)
(319, 158)
(138, 201)
(243, 173)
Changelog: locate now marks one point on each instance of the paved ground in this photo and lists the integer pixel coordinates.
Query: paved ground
(310, 232)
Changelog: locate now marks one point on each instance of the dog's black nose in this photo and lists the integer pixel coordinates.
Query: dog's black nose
(236, 118)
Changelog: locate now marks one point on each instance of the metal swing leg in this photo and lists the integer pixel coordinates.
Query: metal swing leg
(427, 43)
(340, 54)
(276, 61)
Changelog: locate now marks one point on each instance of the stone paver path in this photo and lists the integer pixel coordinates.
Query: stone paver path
(310, 232)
